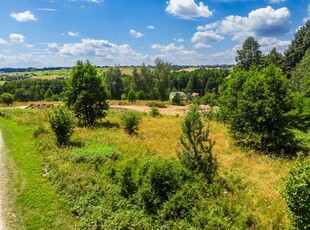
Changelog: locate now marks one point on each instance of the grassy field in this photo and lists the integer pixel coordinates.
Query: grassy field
(34, 203)
(255, 179)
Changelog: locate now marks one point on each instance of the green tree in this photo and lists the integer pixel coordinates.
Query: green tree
(274, 57)
(39, 93)
(113, 79)
(297, 49)
(141, 95)
(7, 98)
(249, 55)
(131, 121)
(196, 145)
(48, 94)
(132, 96)
(256, 105)
(162, 71)
(86, 93)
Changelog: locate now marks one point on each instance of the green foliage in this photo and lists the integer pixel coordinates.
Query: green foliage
(297, 194)
(162, 71)
(177, 99)
(274, 57)
(86, 94)
(155, 112)
(62, 124)
(7, 98)
(249, 55)
(256, 104)
(297, 49)
(210, 99)
(132, 96)
(48, 94)
(131, 121)
(197, 147)
(141, 95)
(39, 131)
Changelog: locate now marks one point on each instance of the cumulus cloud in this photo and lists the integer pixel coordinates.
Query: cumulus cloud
(276, 1)
(2, 41)
(201, 46)
(150, 27)
(135, 34)
(268, 43)
(262, 22)
(17, 38)
(188, 9)
(73, 34)
(23, 16)
(207, 36)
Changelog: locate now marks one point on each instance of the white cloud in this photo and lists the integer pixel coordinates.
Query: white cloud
(17, 38)
(23, 16)
(276, 1)
(73, 34)
(179, 40)
(207, 36)
(188, 9)
(94, 1)
(308, 16)
(28, 45)
(150, 27)
(2, 41)
(135, 34)
(201, 46)
(47, 9)
(268, 43)
(262, 22)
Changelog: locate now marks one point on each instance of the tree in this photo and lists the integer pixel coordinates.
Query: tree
(131, 121)
(274, 57)
(297, 49)
(86, 94)
(7, 98)
(196, 146)
(249, 55)
(162, 71)
(132, 96)
(48, 94)
(256, 105)
(113, 79)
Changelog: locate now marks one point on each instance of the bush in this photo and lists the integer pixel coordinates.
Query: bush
(130, 122)
(132, 96)
(141, 95)
(62, 123)
(154, 112)
(177, 100)
(7, 98)
(297, 195)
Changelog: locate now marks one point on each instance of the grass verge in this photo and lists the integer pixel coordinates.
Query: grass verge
(34, 202)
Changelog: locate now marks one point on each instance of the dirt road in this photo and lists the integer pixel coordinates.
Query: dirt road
(2, 184)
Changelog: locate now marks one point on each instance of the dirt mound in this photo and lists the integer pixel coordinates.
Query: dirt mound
(40, 106)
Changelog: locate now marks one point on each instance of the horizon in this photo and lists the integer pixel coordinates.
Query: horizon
(55, 33)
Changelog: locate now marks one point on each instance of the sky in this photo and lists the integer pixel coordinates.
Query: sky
(52, 33)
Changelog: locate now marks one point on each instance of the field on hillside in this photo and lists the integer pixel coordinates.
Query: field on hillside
(251, 200)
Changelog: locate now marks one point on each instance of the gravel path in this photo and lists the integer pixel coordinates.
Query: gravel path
(2, 184)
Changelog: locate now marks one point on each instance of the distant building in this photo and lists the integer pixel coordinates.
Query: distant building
(173, 94)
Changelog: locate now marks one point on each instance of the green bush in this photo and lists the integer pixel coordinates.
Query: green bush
(130, 121)
(62, 123)
(297, 195)
(154, 112)
(132, 96)
(177, 100)
(7, 98)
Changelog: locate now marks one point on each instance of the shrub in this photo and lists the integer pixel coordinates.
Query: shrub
(130, 122)
(141, 95)
(62, 123)
(177, 99)
(197, 147)
(132, 96)
(154, 112)
(38, 131)
(7, 98)
(297, 195)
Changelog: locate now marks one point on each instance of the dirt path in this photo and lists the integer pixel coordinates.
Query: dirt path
(2, 184)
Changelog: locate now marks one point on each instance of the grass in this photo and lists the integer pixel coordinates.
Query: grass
(256, 178)
(33, 199)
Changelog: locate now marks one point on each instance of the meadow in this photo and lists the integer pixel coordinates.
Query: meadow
(81, 173)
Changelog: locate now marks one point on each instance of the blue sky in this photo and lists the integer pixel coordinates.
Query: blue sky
(45, 33)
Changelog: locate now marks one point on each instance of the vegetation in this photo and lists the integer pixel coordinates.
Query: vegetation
(197, 147)
(86, 94)
(62, 123)
(297, 194)
(7, 98)
(130, 122)
(155, 111)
